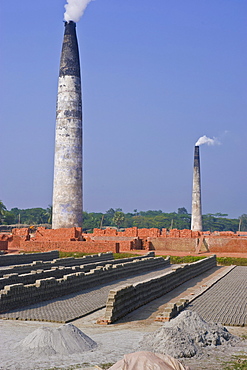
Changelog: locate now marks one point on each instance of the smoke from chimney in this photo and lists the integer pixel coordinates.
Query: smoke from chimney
(207, 140)
(75, 9)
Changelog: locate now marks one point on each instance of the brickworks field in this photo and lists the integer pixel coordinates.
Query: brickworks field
(219, 293)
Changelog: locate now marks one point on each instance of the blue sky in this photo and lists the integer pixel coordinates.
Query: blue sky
(156, 76)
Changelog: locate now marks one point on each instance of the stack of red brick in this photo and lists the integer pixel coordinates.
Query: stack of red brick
(73, 240)
(64, 234)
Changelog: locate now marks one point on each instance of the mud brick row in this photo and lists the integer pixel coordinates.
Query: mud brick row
(172, 310)
(20, 295)
(125, 299)
(19, 259)
(225, 302)
(45, 265)
(27, 274)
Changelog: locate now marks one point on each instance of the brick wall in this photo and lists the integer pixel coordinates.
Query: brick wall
(226, 244)
(3, 245)
(126, 243)
(70, 246)
(173, 244)
(215, 244)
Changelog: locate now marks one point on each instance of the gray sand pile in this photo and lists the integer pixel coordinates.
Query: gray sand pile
(65, 340)
(185, 335)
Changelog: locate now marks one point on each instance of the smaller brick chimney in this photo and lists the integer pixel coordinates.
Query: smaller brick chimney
(196, 215)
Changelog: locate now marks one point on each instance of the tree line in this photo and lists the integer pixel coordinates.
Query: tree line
(117, 218)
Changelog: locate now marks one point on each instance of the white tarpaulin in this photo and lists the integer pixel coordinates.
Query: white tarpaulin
(145, 360)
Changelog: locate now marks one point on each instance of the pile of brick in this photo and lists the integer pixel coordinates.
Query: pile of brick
(63, 234)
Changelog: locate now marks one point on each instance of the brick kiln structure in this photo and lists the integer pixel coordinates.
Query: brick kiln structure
(74, 240)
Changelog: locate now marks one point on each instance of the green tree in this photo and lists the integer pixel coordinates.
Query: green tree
(135, 212)
(183, 221)
(182, 211)
(110, 212)
(109, 216)
(118, 218)
(213, 222)
(9, 218)
(31, 216)
(243, 222)
(128, 221)
(49, 214)
(3, 210)
(147, 219)
(91, 221)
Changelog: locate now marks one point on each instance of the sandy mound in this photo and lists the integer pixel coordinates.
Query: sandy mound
(65, 340)
(147, 360)
(185, 335)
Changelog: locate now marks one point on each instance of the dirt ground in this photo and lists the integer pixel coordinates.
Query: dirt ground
(113, 340)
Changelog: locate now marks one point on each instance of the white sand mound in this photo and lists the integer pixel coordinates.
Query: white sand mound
(65, 340)
(184, 335)
(145, 360)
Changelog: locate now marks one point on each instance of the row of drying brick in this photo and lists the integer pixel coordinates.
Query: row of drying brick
(19, 295)
(19, 259)
(172, 309)
(226, 301)
(125, 299)
(54, 269)
(45, 265)
(30, 277)
(78, 304)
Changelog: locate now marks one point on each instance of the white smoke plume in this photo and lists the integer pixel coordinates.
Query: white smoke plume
(75, 9)
(207, 140)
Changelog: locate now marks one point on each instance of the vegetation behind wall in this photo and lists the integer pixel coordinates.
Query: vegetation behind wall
(117, 218)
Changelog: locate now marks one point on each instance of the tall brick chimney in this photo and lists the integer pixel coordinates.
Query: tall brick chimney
(67, 184)
(196, 215)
